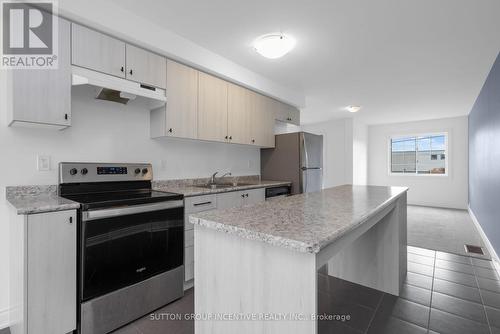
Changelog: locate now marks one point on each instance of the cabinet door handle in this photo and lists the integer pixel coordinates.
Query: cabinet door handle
(242, 195)
(253, 140)
(230, 137)
(66, 117)
(71, 220)
(122, 69)
(131, 72)
(170, 130)
(202, 203)
(226, 137)
(246, 195)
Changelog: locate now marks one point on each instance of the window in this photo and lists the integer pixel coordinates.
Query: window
(419, 154)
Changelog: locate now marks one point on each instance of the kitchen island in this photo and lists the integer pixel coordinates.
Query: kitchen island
(256, 266)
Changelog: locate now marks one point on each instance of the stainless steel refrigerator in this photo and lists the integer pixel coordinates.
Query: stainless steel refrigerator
(297, 157)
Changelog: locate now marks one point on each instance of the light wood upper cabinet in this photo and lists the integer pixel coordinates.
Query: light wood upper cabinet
(286, 113)
(293, 115)
(212, 108)
(145, 67)
(41, 97)
(179, 117)
(262, 121)
(97, 51)
(240, 106)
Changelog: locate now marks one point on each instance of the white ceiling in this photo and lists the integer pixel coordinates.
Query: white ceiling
(401, 60)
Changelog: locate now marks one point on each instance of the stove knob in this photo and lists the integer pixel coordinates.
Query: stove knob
(84, 171)
(73, 171)
(137, 170)
(144, 171)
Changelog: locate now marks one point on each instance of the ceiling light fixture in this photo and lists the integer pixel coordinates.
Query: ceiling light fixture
(352, 108)
(274, 45)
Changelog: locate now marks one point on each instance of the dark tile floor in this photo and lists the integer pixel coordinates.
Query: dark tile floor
(443, 293)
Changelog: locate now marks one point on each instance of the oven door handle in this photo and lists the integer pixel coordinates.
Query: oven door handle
(130, 210)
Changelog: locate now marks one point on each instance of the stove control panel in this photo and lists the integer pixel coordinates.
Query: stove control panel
(78, 172)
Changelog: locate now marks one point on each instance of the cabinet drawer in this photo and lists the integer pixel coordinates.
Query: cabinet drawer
(200, 203)
(189, 238)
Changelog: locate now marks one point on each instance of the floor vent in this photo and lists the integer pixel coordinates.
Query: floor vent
(474, 249)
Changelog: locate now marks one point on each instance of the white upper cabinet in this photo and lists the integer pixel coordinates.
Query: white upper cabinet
(41, 97)
(97, 51)
(179, 117)
(240, 103)
(146, 67)
(212, 108)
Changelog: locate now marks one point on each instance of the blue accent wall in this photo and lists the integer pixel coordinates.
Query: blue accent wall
(484, 157)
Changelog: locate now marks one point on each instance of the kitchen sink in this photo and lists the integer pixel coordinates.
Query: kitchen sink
(223, 185)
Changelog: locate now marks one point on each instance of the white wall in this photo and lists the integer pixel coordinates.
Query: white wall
(344, 151)
(105, 131)
(356, 137)
(442, 191)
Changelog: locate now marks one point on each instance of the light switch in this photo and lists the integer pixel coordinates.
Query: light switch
(43, 163)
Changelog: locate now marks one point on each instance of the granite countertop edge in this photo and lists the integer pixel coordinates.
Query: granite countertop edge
(297, 245)
(33, 199)
(193, 190)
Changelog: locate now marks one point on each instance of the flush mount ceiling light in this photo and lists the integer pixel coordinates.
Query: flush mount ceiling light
(352, 108)
(274, 45)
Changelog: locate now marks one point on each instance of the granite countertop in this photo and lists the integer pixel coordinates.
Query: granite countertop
(37, 199)
(189, 190)
(306, 222)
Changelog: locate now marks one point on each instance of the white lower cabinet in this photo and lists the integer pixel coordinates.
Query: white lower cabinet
(236, 199)
(210, 202)
(43, 273)
(193, 205)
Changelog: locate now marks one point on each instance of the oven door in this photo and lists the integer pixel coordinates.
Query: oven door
(123, 246)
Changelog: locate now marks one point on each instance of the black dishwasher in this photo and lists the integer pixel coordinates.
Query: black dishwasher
(279, 191)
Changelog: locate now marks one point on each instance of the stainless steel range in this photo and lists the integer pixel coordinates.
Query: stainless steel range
(131, 243)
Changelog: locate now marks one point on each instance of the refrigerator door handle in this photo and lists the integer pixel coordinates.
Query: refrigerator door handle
(306, 168)
(304, 148)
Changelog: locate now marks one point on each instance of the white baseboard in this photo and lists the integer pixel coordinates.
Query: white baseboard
(491, 250)
(4, 318)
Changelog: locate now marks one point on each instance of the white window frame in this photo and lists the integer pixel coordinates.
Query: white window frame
(425, 134)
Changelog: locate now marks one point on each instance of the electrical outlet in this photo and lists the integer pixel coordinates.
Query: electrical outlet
(43, 163)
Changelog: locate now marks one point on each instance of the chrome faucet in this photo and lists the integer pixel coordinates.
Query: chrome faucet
(212, 179)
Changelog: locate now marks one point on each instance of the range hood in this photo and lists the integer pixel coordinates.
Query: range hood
(111, 88)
